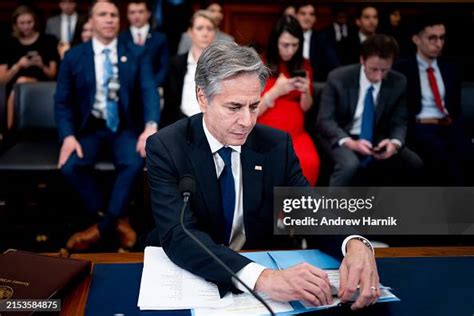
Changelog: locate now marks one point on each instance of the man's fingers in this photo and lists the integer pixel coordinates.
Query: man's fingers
(310, 298)
(79, 151)
(321, 289)
(353, 280)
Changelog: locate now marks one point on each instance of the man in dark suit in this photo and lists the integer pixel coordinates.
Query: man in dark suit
(315, 48)
(96, 107)
(362, 120)
(367, 21)
(141, 34)
(333, 39)
(235, 165)
(436, 129)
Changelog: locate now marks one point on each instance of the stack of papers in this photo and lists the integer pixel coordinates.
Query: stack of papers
(165, 286)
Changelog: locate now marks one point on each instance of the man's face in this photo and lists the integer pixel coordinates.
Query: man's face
(232, 113)
(138, 14)
(306, 15)
(67, 7)
(376, 68)
(430, 41)
(368, 21)
(105, 21)
(216, 12)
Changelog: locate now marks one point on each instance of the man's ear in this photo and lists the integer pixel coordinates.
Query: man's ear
(415, 39)
(202, 100)
(357, 21)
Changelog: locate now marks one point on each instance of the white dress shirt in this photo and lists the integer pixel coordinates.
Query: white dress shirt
(428, 105)
(251, 272)
(362, 37)
(340, 31)
(65, 36)
(189, 104)
(140, 34)
(99, 107)
(306, 43)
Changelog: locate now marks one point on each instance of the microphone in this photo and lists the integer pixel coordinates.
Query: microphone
(187, 187)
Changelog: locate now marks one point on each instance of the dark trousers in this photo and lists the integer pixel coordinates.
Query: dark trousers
(403, 168)
(79, 172)
(446, 153)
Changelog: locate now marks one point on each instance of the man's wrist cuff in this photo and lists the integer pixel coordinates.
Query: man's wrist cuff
(364, 240)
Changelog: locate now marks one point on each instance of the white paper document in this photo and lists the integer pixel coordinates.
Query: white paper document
(164, 285)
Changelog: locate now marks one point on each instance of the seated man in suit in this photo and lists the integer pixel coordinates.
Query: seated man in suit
(236, 165)
(96, 107)
(141, 34)
(436, 130)
(362, 119)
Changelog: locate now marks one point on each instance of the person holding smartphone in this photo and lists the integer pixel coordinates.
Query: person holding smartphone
(288, 92)
(30, 56)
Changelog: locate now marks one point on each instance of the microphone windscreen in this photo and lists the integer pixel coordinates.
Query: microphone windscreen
(187, 184)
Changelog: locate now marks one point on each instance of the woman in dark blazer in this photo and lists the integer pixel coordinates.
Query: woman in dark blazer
(179, 88)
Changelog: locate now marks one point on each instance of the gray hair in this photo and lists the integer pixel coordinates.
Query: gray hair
(224, 60)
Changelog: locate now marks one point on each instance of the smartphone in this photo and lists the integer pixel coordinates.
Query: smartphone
(31, 54)
(379, 150)
(298, 73)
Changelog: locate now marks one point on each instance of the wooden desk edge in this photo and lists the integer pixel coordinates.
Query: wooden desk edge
(75, 303)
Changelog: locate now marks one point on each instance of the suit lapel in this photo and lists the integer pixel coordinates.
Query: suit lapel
(88, 65)
(123, 64)
(381, 101)
(252, 179)
(205, 170)
(353, 91)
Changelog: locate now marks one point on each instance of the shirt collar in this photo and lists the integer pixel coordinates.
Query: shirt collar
(65, 16)
(365, 83)
(424, 65)
(98, 47)
(362, 37)
(142, 30)
(308, 33)
(214, 143)
(190, 59)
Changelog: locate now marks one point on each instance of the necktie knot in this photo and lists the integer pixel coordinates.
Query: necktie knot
(225, 153)
(370, 89)
(106, 51)
(430, 70)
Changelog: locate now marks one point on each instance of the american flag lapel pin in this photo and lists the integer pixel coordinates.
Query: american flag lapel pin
(258, 168)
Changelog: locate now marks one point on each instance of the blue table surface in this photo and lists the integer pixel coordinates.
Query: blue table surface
(426, 286)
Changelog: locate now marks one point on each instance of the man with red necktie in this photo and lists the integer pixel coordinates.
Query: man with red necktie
(436, 129)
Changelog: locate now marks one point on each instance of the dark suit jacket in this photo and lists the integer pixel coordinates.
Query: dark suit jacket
(183, 149)
(156, 46)
(351, 55)
(53, 26)
(323, 53)
(173, 89)
(339, 102)
(452, 80)
(76, 88)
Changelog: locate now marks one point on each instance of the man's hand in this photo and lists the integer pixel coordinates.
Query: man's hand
(390, 149)
(358, 269)
(142, 140)
(301, 282)
(70, 145)
(360, 146)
